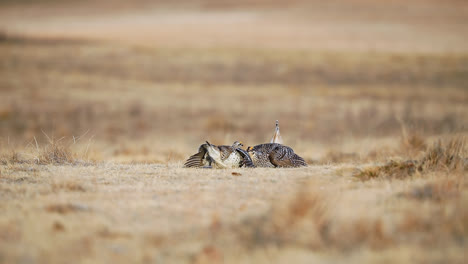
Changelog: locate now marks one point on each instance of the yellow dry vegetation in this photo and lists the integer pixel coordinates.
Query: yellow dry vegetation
(97, 118)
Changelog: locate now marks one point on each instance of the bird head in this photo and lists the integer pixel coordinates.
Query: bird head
(237, 144)
(253, 153)
(251, 150)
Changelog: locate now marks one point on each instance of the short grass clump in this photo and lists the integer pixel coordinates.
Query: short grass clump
(10, 157)
(392, 169)
(448, 157)
(56, 153)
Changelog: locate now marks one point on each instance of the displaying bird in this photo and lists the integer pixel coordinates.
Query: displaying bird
(274, 155)
(277, 136)
(220, 157)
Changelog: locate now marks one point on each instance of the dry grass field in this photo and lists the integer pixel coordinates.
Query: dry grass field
(101, 103)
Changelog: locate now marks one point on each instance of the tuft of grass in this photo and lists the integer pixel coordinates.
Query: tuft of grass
(449, 157)
(56, 153)
(12, 157)
(392, 169)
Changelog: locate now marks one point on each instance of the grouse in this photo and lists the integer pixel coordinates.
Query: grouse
(220, 157)
(275, 155)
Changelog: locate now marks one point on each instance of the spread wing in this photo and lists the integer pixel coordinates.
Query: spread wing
(283, 156)
(197, 160)
(247, 161)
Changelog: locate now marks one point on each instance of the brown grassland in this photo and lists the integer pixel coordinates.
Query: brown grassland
(101, 103)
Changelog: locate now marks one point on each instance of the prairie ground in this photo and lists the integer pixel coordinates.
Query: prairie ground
(101, 103)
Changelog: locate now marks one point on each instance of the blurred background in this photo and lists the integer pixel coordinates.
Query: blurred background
(149, 81)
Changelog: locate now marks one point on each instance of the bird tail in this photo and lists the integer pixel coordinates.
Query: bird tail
(277, 136)
(299, 161)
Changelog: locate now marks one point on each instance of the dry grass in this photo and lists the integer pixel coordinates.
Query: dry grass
(439, 191)
(448, 157)
(308, 220)
(55, 153)
(136, 111)
(254, 215)
(10, 157)
(93, 134)
(304, 220)
(234, 216)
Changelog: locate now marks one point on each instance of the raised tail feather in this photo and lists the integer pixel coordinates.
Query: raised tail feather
(277, 136)
(299, 161)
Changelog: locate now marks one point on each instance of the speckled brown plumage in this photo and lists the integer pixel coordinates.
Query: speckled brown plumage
(275, 155)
